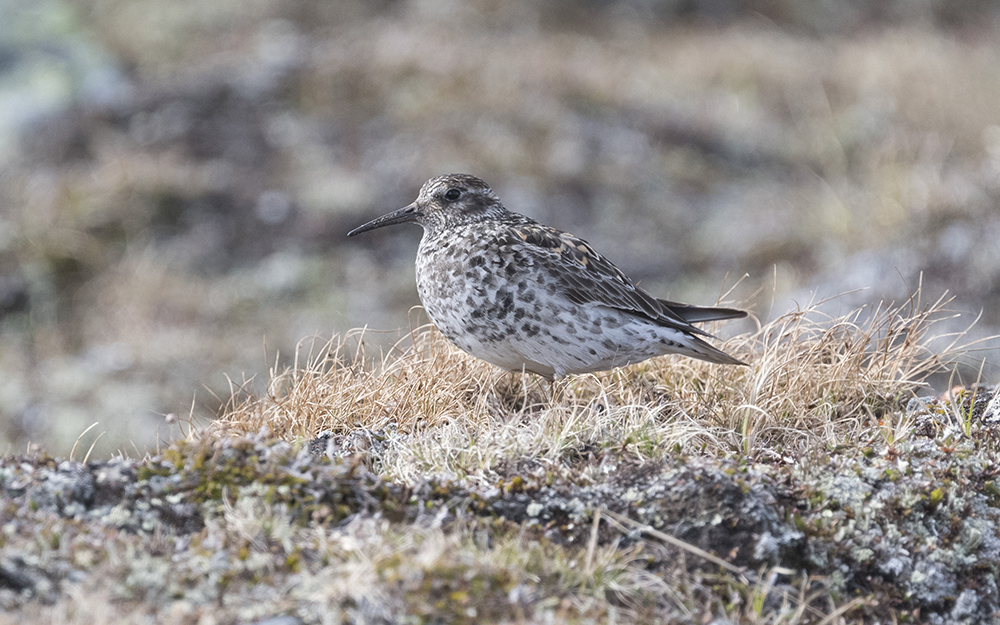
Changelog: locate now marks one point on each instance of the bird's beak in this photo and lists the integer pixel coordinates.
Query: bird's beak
(403, 215)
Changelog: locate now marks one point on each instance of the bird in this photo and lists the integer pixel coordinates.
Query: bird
(527, 297)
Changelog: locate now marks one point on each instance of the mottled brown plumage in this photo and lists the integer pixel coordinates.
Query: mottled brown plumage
(523, 295)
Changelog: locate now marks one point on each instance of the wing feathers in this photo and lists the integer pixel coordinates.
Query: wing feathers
(589, 278)
(701, 314)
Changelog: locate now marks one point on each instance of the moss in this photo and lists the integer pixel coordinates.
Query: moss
(460, 595)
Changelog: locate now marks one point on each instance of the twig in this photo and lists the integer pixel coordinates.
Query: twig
(72, 452)
(87, 457)
(593, 538)
(832, 616)
(677, 542)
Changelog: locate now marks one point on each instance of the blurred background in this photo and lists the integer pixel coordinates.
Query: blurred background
(177, 176)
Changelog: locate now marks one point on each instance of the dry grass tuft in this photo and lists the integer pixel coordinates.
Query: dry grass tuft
(814, 380)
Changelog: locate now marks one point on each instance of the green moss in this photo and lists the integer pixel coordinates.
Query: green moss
(293, 561)
(461, 595)
(992, 490)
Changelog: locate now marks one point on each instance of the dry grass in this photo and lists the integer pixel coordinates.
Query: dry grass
(814, 380)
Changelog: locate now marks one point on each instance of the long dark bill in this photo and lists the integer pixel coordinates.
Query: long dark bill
(401, 216)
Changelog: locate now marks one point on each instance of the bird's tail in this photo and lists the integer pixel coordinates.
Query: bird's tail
(697, 348)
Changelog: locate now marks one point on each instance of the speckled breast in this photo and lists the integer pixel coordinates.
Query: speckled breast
(480, 292)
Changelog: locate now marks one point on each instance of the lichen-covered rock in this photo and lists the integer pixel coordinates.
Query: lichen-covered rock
(913, 526)
(697, 500)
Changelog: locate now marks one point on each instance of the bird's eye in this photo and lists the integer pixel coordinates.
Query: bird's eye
(452, 194)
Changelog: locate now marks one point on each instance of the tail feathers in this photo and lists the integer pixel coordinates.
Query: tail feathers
(701, 314)
(697, 348)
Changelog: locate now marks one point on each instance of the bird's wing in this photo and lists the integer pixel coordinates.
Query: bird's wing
(701, 314)
(587, 277)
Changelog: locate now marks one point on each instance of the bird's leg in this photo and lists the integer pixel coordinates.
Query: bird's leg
(517, 385)
(557, 387)
(511, 377)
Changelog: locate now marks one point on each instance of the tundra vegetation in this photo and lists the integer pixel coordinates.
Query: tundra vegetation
(820, 484)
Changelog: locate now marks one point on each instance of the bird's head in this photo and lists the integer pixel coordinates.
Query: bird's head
(444, 202)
